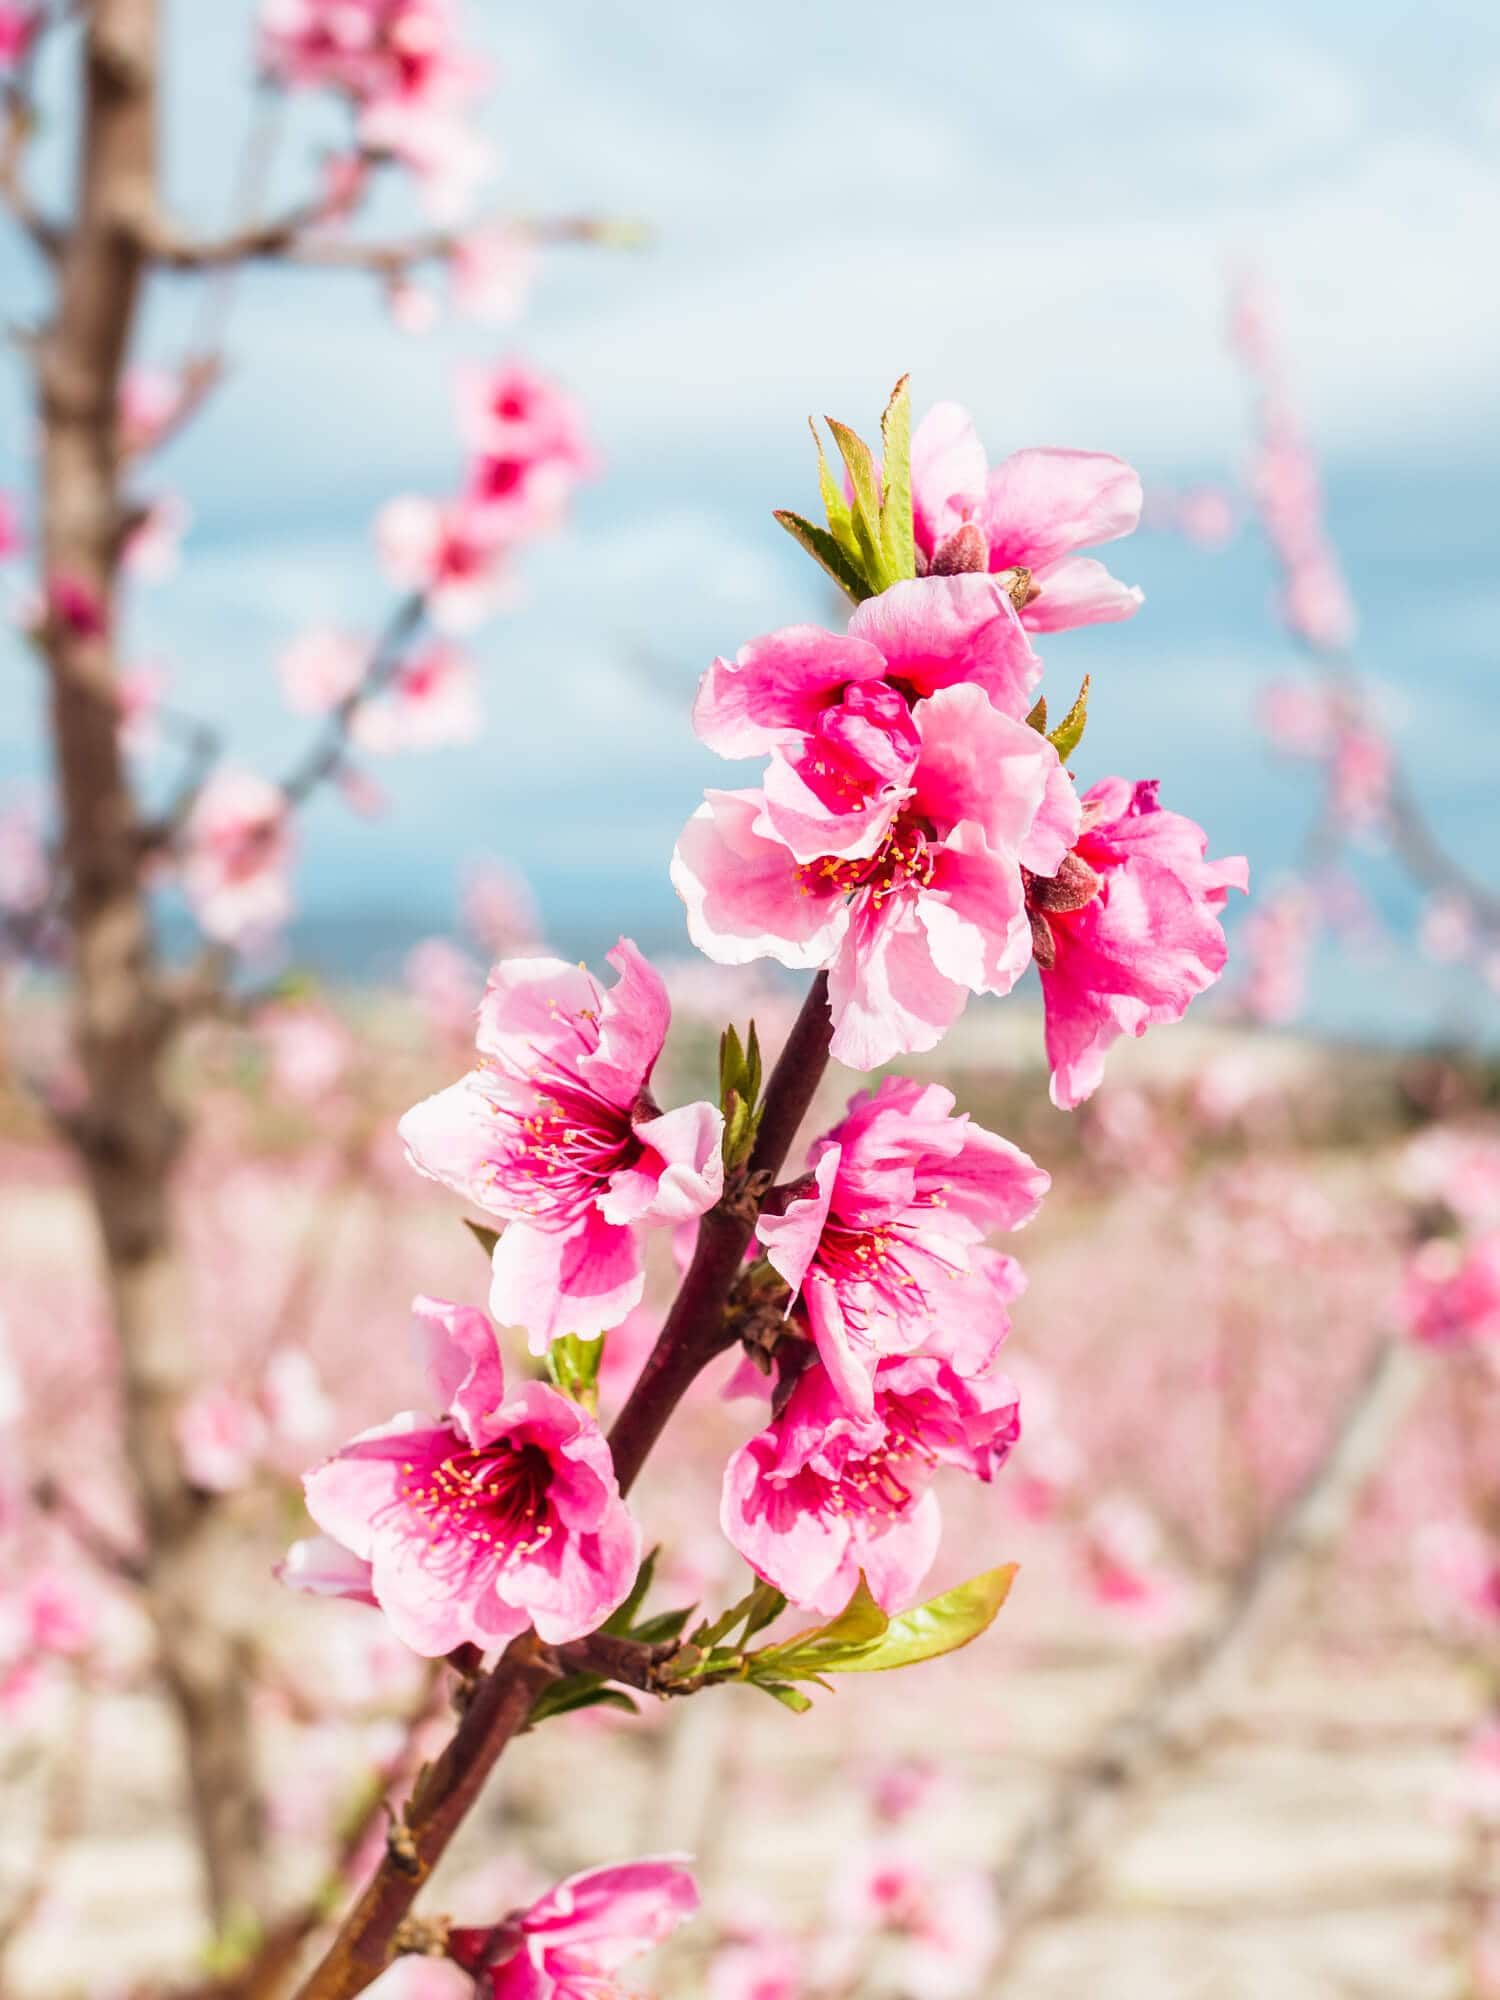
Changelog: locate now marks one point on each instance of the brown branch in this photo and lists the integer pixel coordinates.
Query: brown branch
(295, 238)
(325, 755)
(693, 1334)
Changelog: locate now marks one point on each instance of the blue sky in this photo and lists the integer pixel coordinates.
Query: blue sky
(1034, 212)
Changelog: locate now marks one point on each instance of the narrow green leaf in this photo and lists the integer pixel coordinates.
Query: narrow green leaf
(731, 1064)
(754, 1075)
(665, 1625)
(577, 1691)
(620, 1619)
(766, 1607)
(483, 1235)
(1068, 734)
(940, 1626)
(1037, 719)
(859, 462)
(859, 1623)
(789, 1697)
(897, 534)
(835, 506)
(824, 550)
(573, 1365)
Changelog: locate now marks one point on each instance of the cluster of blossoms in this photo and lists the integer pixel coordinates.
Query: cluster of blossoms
(403, 68)
(911, 832)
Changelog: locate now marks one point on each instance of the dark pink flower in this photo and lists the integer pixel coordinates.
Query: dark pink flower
(557, 1133)
(1032, 512)
(530, 449)
(1451, 1293)
(570, 1943)
(889, 848)
(874, 1242)
(503, 1514)
(821, 1494)
(1127, 932)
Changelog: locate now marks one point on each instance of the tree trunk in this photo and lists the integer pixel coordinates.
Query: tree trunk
(126, 1132)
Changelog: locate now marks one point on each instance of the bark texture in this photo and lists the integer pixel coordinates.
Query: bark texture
(126, 1132)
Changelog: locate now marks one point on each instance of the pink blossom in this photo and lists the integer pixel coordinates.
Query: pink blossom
(139, 694)
(890, 849)
(308, 1047)
(1451, 1293)
(570, 1943)
(220, 1437)
(59, 1611)
(824, 697)
(18, 24)
(431, 700)
(25, 876)
(76, 606)
(447, 156)
(150, 400)
(1123, 1564)
(239, 857)
(492, 270)
(757, 1968)
(298, 1408)
(153, 546)
(446, 984)
(415, 309)
(530, 445)
(12, 537)
(451, 553)
(500, 910)
(935, 1930)
(877, 1242)
(320, 668)
(1474, 1792)
(504, 1514)
(557, 1133)
(1128, 932)
(821, 1495)
(322, 1567)
(1276, 941)
(1033, 511)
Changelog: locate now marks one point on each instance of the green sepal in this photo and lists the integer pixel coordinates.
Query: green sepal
(823, 549)
(859, 463)
(573, 1366)
(898, 539)
(835, 506)
(1068, 734)
(739, 1093)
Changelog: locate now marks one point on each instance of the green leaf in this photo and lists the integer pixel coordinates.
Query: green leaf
(1068, 734)
(573, 1365)
(483, 1235)
(731, 1062)
(835, 506)
(860, 1622)
(942, 1625)
(665, 1625)
(766, 1607)
(823, 549)
(860, 465)
(620, 1619)
(1037, 719)
(897, 534)
(577, 1691)
(789, 1697)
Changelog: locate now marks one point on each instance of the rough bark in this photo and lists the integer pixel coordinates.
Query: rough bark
(126, 1132)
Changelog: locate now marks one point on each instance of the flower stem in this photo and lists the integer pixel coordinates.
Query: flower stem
(692, 1336)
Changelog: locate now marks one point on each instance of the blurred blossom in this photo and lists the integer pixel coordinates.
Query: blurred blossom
(491, 271)
(153, 547)
(447, 985)
(308, 1047)
(1446, 933)
(500, 912)
(1473, 1791)
(220, 1437)
(12, 538)
(1124, 1565)
(1276, 941)
(298, 1408)
(935, 1928)
(320, 667)
(431, 700)
(1458, 1577)
(1451, 1293)
(239, 853)
(150, 399)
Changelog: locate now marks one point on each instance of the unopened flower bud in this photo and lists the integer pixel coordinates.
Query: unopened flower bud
(1074, 884)
(964, 550)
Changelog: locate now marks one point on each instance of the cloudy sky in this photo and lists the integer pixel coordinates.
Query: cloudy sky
(1035, 212)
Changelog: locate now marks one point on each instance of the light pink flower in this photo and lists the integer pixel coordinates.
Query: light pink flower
(1276, 942)
(936, 1930)
(452, 553)
(239, 856)
(446, 984)
(153, 548)
(504, 1514)
(570, 1943)
(557, 1133)
(150, 399)
(322, 1567)
(298, 1408)
(308, 1048)
(1451, 1292)
(1128, 932)
(757, 1968)
(500, 910)
(220, 1437)
(492, 270)
(821, 1495)
(895, 857)
(320, 667)
(1033, 511)
(874, 1241)
(431, 701)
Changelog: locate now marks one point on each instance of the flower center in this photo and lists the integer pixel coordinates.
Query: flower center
(496, 1497)
(906, 859)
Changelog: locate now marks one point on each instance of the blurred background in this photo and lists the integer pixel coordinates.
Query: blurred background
(1257, 1352)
